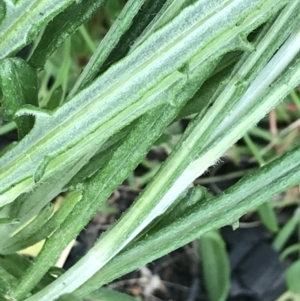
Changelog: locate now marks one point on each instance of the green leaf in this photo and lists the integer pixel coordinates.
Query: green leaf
(30, 204)
(56, 156)
(7, 281)
(268, 216)
(6, 128)
(169, 10)
(2, 10)
(39, 221)
(41, 228)
(16, 265)
(289, 250)
(185, 203)
(69, 297)
(116, 171)
(157, 77)
(97, 162)
(215, 266)
(19, 87)
(7, 220)
(24, 20)
(61, 27)
(119, 27)
(202, 98)
(287, 230)
(255, 150)
(113, 8)
(177, 174)
(210, 214)
(105, 294)
(56, 96)
(82, 113)
(149, 12)
(292, 277)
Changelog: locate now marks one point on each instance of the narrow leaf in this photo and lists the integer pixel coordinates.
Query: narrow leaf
(292, 277)
(289, 250)
(287, 230)
(110, 295)
(61, 27)
(19, 87)
(24, 20)
(7, 282)
(125, 83)
(148, 12)
(30, 204)
(2, 10)
(215, 266)
(119, 27)
(39, 221)
(16, 266)
(174, 178)
(167, 183)
(56, 96)
(29, 237)
(114, 173)
(228, 207)
(268, 216)
(69, 297)
(7, 220)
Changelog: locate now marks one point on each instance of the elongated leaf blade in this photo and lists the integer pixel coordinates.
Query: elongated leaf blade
(293, 277)
(110, 295)
(61, 27)
(209, 214)
(134, 222)
(215, 266)
(119, 27)
(77, 126)
(23, 20)
(19, 87)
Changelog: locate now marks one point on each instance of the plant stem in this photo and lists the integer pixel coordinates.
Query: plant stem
(8, 127)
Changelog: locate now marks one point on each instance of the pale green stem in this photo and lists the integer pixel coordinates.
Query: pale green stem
(6, 128)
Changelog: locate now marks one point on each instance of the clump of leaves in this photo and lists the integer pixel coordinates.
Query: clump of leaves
(226, 63)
